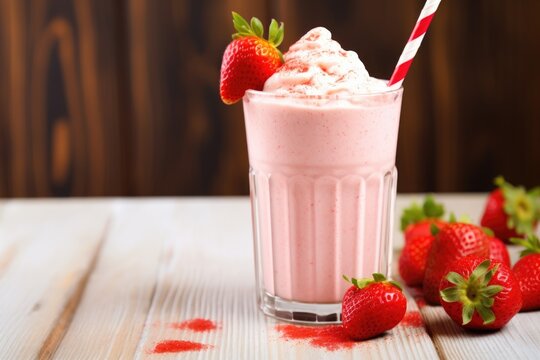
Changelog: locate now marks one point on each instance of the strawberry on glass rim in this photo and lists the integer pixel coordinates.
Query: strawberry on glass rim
(511, 211)
(249, 60)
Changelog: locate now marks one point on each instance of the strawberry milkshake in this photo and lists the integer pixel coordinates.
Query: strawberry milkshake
(322, 139)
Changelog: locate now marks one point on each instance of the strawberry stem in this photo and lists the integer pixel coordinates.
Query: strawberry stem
(377, 278)
(531, 245)
(434, 229)
(488, 231)
(415, 213)
(276, 33)
(255, 27)
(521, 206)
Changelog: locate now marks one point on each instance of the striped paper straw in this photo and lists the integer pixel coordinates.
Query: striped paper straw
(407, 56)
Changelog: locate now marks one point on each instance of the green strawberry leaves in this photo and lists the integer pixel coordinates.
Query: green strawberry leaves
(468, 313)
(377, 278)
(485, 313)
(474, 293)
(488, 231)
(415, 213)
(255, 28)
(531, 245)
(521, 206)
(241, 25)
(276, 33)
(431, 208)
(434, 229)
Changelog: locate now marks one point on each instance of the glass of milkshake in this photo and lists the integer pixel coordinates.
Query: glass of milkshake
(322, 140)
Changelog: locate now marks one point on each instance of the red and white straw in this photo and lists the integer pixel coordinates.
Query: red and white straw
(407, 57)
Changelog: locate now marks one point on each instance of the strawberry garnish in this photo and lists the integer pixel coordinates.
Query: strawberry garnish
(416, 220)
(511, 211)
(527, 271)
(249, 60)
(479, 293)
(372, 306)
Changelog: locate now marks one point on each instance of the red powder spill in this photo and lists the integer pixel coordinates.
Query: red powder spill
(175, 346)
(412, 319)
(331, 337)
(197, 325)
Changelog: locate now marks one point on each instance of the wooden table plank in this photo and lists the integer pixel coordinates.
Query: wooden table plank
(112, 315)
(209, 274)
(164, 261)
(51, 246)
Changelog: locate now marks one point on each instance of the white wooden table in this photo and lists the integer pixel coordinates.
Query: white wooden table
(105, 279)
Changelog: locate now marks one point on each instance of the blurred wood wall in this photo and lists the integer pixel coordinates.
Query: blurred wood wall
(103, 97)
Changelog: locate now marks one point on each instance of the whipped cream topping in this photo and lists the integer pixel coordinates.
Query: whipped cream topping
(316, 65)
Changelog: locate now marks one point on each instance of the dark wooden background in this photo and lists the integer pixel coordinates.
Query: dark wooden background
(120, 97)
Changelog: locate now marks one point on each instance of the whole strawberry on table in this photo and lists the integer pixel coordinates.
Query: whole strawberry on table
(497, 248)
(416, 224)
(480, 294)
(372, 306)
(453, 242)
(511, 211)
(413, 260)
(527, 271)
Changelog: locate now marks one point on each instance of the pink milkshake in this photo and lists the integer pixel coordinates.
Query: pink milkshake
(322, 142)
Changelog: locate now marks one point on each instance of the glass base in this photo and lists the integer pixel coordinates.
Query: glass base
(299, 312)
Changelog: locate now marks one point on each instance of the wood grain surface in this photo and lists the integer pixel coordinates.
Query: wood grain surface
(44, 268)
(109, 279)
(111, 318)
(121, 97)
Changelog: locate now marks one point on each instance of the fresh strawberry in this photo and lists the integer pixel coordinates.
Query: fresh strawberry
(497, 248)
(249, 60)
(416, 220)
(412, 262)
(452, 242)
(372, 306)
(527, 271)
(498, 251)
(422, 228)
(479, 293)
(511, 211)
